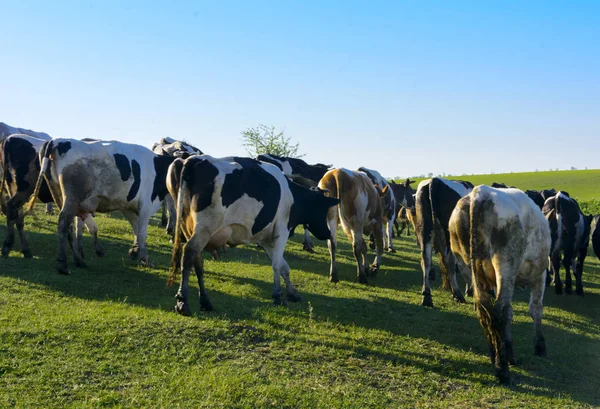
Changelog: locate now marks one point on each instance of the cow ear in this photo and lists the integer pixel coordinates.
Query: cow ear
(385, 190)
(330, 201)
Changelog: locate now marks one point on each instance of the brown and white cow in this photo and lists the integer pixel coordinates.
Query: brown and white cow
(238, 201)
(20, 171)
(501, 238)
(103, 176)
(359, 212)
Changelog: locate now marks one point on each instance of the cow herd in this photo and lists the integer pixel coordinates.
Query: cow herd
(495, 237)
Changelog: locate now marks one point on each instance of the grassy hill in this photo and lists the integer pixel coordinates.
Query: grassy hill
(581, 184)
(107, 336)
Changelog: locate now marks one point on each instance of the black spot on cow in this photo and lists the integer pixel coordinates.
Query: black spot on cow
(200, 177)
(258, 184)
(135, 166)
(122, 163)
(299, 167)
(63, 147)
(161, 166)
(310, 208)
(20, 153)
(499, 238)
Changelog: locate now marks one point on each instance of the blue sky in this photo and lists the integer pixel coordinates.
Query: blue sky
(405, 87)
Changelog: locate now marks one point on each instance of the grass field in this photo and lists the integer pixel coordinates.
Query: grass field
(107, 336)
(584, 185)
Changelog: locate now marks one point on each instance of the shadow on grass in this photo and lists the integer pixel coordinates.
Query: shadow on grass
(116, 277)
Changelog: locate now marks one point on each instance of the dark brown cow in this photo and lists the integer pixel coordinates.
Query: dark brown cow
(359, 212)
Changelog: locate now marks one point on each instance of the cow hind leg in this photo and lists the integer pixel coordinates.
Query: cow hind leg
(92, 228)
(307, 244)
(25, 249)
(567, 263)
(332, 244)
(388, 234)
(65, 234)
(374, 268)
(357, 247)
(12, 215)
(426, 267)
(536, 310)
(205, 302)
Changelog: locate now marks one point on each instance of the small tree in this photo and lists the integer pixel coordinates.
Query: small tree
(265, 139)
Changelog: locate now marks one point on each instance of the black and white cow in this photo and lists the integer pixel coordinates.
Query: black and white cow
(388, 202)
(540, 196)
(238, 201)
(435, 201)
(20, 171)
(570, 230)
(103, 176)
(179, 149)
(501, 239)
(405, 204)
(596, 236)
(294, 166)
(7, 130)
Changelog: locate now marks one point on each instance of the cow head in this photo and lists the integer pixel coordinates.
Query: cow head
(310, 208)
(403, 193)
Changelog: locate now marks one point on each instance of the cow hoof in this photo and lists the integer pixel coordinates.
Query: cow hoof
(459, 298)
(63, 270)
(391, 250)
(279, 300)
(505, 379)
(568, 290)
(206, 305)
(308, 248)
(183, 309)
(27, 253)
(427, 301)
(373, 270)
(372, 246)
(334, 278)
(540, 348)
(363, 279)
(558, 289)
(579, 292)
(80, 263)
(146, 263)
(5, 251)
(134, 253)
(469, 292)
(294, 297)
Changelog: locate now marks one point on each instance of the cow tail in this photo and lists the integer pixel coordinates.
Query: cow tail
(44, 160)
(3, 180)
(436, 228)
(489, 316)
(176, 179)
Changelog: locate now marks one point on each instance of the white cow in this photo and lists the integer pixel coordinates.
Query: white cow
(502, 239)
(103, 176)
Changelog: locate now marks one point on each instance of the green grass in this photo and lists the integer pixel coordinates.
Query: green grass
(581, 184)
(107, 336)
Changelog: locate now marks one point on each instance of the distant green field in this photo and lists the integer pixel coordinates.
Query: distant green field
(583, 185)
